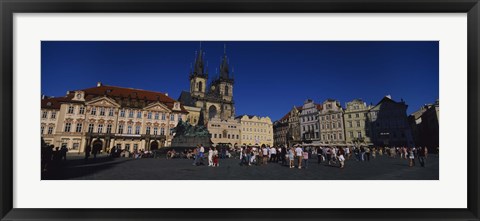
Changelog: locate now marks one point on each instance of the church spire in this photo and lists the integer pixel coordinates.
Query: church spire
(199, 66)
(224, 70)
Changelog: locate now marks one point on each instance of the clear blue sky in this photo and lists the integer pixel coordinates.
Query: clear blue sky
(270, 76)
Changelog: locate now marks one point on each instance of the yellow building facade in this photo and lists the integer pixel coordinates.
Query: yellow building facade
(256, 130)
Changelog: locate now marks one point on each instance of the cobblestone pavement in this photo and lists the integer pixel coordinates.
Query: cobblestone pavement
(103, 168)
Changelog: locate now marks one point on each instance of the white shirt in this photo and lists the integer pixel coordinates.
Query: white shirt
(299, 151)
(202, 149)
(273, 151)
(265, 151)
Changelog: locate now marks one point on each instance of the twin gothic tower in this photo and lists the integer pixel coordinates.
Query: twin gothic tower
(215, 98)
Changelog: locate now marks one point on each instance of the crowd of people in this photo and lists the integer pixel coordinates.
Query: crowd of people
(52, 156)
(293, 157)
(299, 157)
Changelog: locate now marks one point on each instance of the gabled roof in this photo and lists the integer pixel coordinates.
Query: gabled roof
(390, 100)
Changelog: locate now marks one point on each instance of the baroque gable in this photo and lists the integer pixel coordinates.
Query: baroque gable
(103, 102)
(157, 106)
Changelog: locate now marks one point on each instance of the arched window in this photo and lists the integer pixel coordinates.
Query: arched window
(212, 112)
(226, 90)
(200, 86)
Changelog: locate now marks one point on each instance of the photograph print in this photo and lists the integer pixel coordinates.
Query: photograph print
(239, 110)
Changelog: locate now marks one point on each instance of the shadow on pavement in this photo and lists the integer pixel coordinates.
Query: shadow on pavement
(79, 168)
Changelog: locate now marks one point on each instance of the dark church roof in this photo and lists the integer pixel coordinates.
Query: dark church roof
(186, 99)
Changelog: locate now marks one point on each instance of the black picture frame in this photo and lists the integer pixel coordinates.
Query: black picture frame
(9, 7)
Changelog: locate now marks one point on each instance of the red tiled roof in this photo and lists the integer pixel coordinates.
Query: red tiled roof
(285, 117)
(52, 103)
(113, 91)
(121, 92)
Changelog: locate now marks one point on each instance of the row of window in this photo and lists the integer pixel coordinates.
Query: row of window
(357, 115)
(332, 116)
(255, 130)
(50, 130)
(250, 137)
(327, 117)
(309, 118)
(228, 136)
(350, 124)
(102, 111)
(53, 115)
(127, 146)
(100, 127)
(309, 127)
(255, 124)
(332, 136)
(359, 134)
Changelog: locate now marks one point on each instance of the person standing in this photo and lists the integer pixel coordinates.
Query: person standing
(341, 157)
(328, 152)
(305, 159)
(411, 156)
(279, 155)
(273, 154)
(63, 152)
(265, 155)
(201, 155)
(367, 153)
(195, 155)
(362, 153)
(210, 157)
(215, 157)
(291, 157)
(422, 156)
(299, 155)
(88, 149)
(319, 154)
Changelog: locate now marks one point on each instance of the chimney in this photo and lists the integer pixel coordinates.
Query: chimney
(166, 94)
(99, 84)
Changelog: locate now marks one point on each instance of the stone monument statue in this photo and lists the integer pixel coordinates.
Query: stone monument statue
(187, 135)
